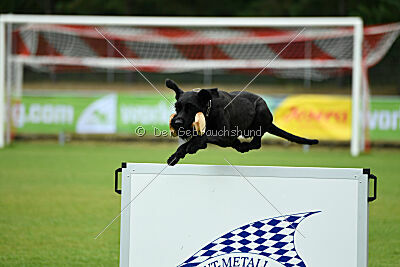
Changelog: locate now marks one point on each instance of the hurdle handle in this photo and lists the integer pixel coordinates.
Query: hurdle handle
(373, 177)
(119, 170)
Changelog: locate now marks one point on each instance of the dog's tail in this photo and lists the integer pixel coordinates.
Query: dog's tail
(291, 137)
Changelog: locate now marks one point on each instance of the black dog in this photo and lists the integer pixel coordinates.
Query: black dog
(247, 115)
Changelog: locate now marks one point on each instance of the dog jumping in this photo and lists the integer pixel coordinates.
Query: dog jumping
(222, 119)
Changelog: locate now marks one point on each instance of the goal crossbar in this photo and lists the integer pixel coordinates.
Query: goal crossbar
(184, 21)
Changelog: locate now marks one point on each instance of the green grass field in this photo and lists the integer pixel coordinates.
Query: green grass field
(54, 200)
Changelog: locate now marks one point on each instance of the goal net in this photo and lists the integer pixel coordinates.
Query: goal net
(290, 48)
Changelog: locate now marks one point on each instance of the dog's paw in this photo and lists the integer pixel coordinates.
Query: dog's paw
(179, 154)
(172, 160)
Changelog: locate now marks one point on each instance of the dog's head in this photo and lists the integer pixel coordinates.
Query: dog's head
(187, 105)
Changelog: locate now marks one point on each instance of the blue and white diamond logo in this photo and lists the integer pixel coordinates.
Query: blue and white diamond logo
(254, 245)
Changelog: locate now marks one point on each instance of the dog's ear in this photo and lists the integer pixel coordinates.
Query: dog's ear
(172, 85)
(207, 94)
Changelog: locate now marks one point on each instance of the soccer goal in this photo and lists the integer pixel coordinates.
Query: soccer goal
(290, 48)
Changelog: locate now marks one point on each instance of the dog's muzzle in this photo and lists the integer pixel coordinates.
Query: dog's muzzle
(199, 124)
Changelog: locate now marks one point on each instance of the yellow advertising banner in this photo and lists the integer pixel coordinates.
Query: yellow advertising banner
(315, 116)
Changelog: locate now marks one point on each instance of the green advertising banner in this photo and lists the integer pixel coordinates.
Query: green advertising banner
(148, 114)
(105, 114)
(384, 119)
(40, 114)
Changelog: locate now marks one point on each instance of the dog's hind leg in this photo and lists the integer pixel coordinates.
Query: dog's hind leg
(247, 146)
(222, 141)
(262, 120)
(263, 117)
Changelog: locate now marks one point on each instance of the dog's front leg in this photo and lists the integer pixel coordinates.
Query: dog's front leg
(179, 154)
(196, 143)
(190, 147)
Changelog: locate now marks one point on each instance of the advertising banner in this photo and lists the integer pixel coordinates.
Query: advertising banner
(148, 112)
(106, 114)
(239, 230)
(41, 114)
(314, 116)
(384, 119)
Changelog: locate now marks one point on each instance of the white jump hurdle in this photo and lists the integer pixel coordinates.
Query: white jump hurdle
(212, 216)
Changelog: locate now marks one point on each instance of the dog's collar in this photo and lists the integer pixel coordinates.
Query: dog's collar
(208, 108)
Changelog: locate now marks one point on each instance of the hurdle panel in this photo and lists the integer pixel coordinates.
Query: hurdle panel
(211, 216)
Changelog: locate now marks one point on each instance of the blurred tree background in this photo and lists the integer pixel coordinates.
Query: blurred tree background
(372, 11)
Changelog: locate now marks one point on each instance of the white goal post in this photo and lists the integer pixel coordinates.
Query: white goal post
(352, 22)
